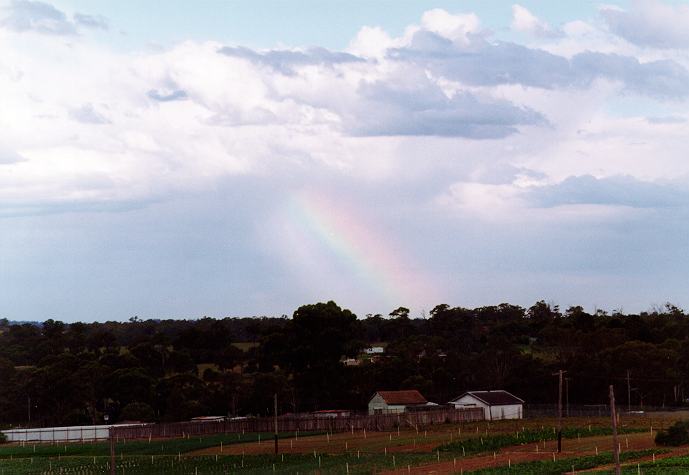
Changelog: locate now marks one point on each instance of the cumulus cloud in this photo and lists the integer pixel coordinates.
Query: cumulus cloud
(427, 111)
(489, 64)
(285, 61)
(87, 114)
(650, 23)
(526, 22)
(40, 17)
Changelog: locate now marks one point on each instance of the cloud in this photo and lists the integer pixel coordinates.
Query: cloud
(524, 21)
(91, 21)
(167, 95)
(425, 110)
(8, 156)
(483, 63)
(618, 190)
(87, 114)
(40, 17)
(458, 28)
(650, 23)
(285, 61)
(27, 15)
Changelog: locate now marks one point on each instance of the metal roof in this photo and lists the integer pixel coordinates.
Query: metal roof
(493, 398)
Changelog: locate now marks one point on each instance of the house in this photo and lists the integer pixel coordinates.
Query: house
(375, 350)
(496, 404)
(386, 402)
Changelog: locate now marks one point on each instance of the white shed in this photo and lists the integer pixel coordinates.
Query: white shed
(496, 404)
(386, 402)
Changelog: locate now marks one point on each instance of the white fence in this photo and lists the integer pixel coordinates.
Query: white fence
(62, 434)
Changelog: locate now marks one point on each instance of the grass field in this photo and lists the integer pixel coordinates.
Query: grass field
(524, 446)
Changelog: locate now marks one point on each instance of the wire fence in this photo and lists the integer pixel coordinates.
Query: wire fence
(373, 422)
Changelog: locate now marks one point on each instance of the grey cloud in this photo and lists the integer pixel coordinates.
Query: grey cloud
(487, 64)
(167, 95)
(666, 120)
(663, 79)
(428, 111)
(285, 61)
(29, 15)
(650, 23)
(86, 114)
(91, 21)
(616, 190)
(8, 156)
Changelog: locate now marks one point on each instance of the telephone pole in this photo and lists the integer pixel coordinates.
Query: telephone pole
(629, 394)
(560, 373)
(275, 408)
(567, 396)
(615, 442)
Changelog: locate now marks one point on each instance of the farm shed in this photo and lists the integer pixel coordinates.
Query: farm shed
(385, 402)
(496, 404)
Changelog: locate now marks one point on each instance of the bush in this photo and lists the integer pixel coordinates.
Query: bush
(3, 438)
(677, 434)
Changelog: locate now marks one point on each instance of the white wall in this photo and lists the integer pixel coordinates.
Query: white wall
(378, 403)
(491, 413)
(60, 434)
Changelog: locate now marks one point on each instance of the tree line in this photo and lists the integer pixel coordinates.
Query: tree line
(54, 373)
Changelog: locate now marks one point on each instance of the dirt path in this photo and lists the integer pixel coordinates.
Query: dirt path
(527, 453)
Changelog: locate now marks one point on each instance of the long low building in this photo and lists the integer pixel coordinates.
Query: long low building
(62, 434)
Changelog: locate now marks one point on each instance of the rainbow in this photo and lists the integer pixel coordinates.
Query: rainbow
(322, 230)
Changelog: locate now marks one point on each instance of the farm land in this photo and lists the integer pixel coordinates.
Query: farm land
(517, 446)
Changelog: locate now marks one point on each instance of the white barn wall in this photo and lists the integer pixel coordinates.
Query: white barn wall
(491, 413)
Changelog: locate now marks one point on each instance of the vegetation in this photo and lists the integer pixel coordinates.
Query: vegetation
(173, 370)
(492, 443)
(564, 465)
(677, 434)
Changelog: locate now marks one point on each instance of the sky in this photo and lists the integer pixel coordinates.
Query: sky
(175, 159)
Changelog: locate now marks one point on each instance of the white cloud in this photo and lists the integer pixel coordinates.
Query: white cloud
(526, 22)
(457, 27)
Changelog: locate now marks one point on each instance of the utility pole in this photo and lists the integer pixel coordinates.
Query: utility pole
(567, 396)
(28, 405)
(629, 394)
(275, 408)
(560, 373)
(615, 442)
(112, 452)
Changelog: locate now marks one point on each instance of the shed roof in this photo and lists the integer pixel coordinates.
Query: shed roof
(410, 396)
(493, 398)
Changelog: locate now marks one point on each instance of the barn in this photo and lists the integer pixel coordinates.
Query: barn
(386, 402)
(496, 404)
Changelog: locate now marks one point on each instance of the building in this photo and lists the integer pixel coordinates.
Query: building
(375, 350)
(331, 413)
(496, 404)
(386, 402)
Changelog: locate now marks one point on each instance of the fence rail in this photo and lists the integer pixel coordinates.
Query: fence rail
(295, 423)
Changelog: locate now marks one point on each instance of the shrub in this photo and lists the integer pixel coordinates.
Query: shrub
(677, 434)
(3, 438)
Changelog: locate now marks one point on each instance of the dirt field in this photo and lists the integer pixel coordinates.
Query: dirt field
(427, 440)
